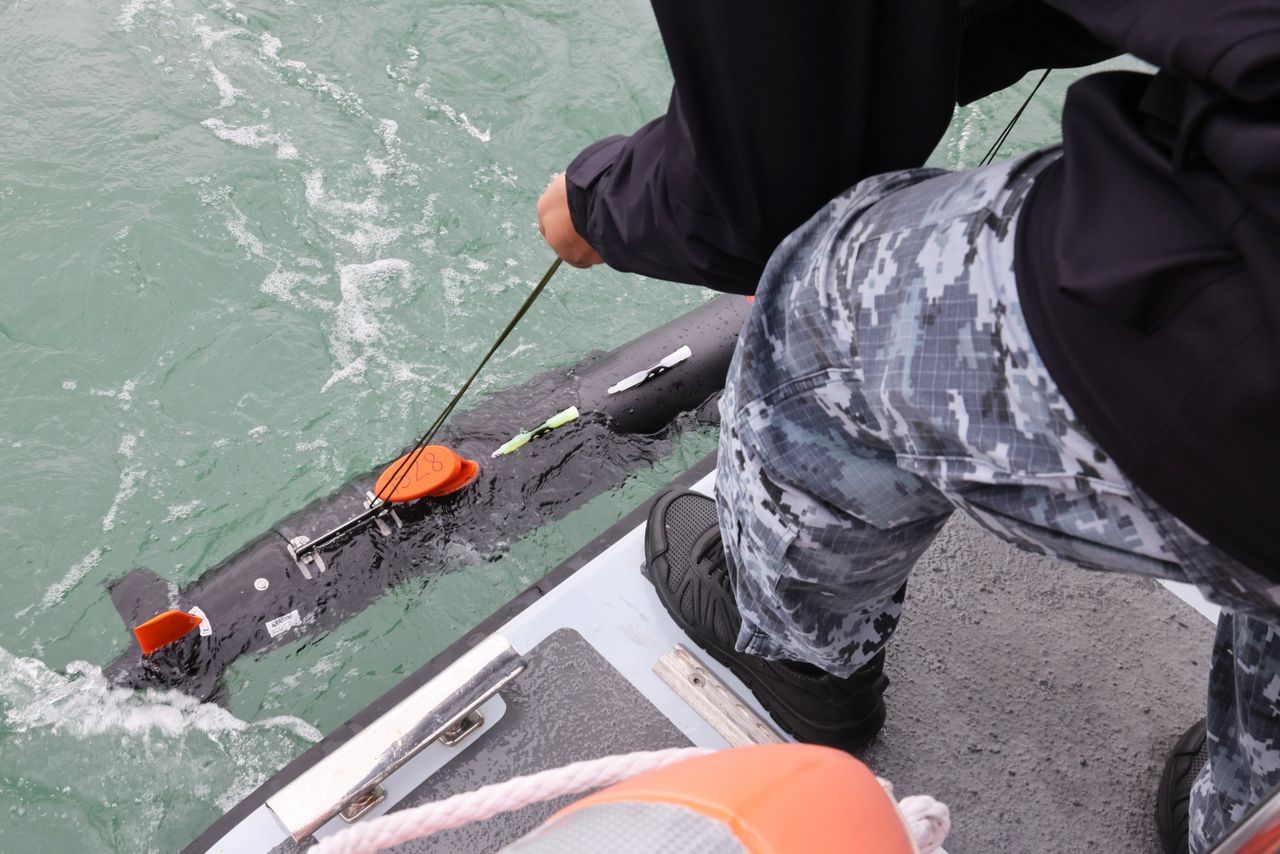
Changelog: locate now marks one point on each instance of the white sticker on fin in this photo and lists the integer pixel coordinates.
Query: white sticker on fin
(205, 628)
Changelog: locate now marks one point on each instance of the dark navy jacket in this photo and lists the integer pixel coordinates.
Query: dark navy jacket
(1148, 259)
(1149, 262)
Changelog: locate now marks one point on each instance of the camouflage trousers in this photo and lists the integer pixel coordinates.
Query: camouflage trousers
(886, 377)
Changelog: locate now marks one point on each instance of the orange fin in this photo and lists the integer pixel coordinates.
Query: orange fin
(163, 629)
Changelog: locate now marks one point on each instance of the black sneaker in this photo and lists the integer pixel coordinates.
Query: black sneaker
(685, 560)
(1173, 798)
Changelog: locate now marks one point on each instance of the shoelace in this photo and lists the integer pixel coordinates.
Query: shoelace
(712, 556)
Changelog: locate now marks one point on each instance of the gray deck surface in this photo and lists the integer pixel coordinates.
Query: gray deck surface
(1036, 699)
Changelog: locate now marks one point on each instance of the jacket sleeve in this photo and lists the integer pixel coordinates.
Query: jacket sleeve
(776, 108)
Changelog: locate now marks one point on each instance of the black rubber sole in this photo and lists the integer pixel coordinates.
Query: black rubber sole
(1173, 798)
(848, 734)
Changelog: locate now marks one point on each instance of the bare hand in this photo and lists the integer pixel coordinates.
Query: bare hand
(557, 227)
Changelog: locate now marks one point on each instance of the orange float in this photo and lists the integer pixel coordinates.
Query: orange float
(775, 799)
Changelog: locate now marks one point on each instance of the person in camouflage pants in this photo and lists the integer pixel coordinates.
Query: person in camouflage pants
(885, 377)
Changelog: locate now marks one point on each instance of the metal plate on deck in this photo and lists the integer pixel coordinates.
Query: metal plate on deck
(568, 705)
(346, 780)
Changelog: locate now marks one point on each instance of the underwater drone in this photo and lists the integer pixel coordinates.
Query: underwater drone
(330, 560)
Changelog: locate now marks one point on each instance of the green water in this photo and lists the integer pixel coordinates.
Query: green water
(246, 252)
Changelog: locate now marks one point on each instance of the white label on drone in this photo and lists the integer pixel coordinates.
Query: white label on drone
(205, 628)
(280, 625)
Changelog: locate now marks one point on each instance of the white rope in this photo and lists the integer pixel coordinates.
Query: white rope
(487, 801)
(928, 821)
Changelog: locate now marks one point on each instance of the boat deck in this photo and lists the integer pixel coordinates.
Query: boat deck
(1036, 699)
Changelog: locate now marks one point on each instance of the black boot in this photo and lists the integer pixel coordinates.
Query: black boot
(1173, 798)
(685, 560)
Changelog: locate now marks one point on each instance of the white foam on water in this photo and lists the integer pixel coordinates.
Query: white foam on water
(130, 477)
(350, 100)
(82, 706)
(318, 198)
(270, 47)
(209, 36)
(368, 234)
(367, 290)
(313, 81)
(407, 172)
(226, 91)
(494, 172)
(429, 209)
(129, 12)
(403, 372)
(459, 119)
(84, 703)
(367, 237)
(78, 571)
(287, 286)
(363, 288)
(353, 370)
(280, 284)
(178, 512)
(425, 226)
(454, 283)
(961, 143)
(252, 136)
(387, 130)
(238, 225)
(124, 394)
(70, 385)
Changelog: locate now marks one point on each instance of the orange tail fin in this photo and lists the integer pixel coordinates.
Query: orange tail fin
(163, 629)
